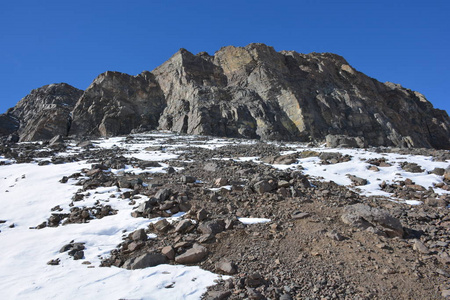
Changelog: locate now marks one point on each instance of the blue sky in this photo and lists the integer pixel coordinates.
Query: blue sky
(43, 42)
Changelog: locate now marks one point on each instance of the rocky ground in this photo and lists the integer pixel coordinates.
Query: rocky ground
(316, 239)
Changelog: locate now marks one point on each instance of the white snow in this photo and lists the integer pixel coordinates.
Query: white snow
(27, 193)
(249, 221)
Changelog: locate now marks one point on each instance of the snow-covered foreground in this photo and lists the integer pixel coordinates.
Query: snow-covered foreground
(28, 192)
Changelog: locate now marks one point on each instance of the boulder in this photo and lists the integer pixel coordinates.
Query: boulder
(357, 180)
(447, 174)
(263, 186)
(363, 216)
(169, 252)
(211, 227)
(226, 267)
(343, 141)
(139, 235)
(194, 255)
(144, 261)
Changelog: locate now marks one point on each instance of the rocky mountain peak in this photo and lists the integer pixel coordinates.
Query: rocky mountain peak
(250, 92)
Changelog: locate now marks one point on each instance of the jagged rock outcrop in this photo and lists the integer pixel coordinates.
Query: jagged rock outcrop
(249, 92)
(256, 92)
(116, 103)
(42, 114)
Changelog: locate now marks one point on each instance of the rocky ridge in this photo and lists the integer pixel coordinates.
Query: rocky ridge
(246, 92)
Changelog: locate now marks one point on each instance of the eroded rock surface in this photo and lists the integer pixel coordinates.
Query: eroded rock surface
(42, 114)
(247, 92)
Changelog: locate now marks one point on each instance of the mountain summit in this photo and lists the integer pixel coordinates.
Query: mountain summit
(248, 92)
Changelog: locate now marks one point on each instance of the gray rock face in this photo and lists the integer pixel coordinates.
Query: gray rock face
(116, 103)
(42, 114)
(256, 92)
(247, 92)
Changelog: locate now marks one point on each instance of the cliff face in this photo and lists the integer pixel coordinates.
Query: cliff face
(116, 103)
(42, 114)
(256, 92)
(250, 92)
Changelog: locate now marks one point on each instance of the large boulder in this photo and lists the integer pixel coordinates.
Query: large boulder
(192, 256)
(363, 217)
(146, 260)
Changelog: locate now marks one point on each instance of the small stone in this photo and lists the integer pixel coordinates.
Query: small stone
(383, 246)
(254, 280)
(133, 246)
(183, 226)
(163, 194)
(300, 215)
(182, 245)
(204, 238)
(202, 214)
(85, 214)
(420, 247)
(188, 179)
(443, 273)
(262, 187)
(445, 293)
(226, 267)
(162, 225)
(436, 202)
(53, 262)
(358, 181)
(254, 294)
(335, 235)
(285, 297)
(218, 295)
(283, 183)
(221, 182)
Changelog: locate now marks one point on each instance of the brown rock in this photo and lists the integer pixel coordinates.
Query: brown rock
(144, 261)
(169, 252)
(139, 235)
(226, 267)
(194, 255)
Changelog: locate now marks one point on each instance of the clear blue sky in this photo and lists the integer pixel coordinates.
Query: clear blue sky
(43, 42)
